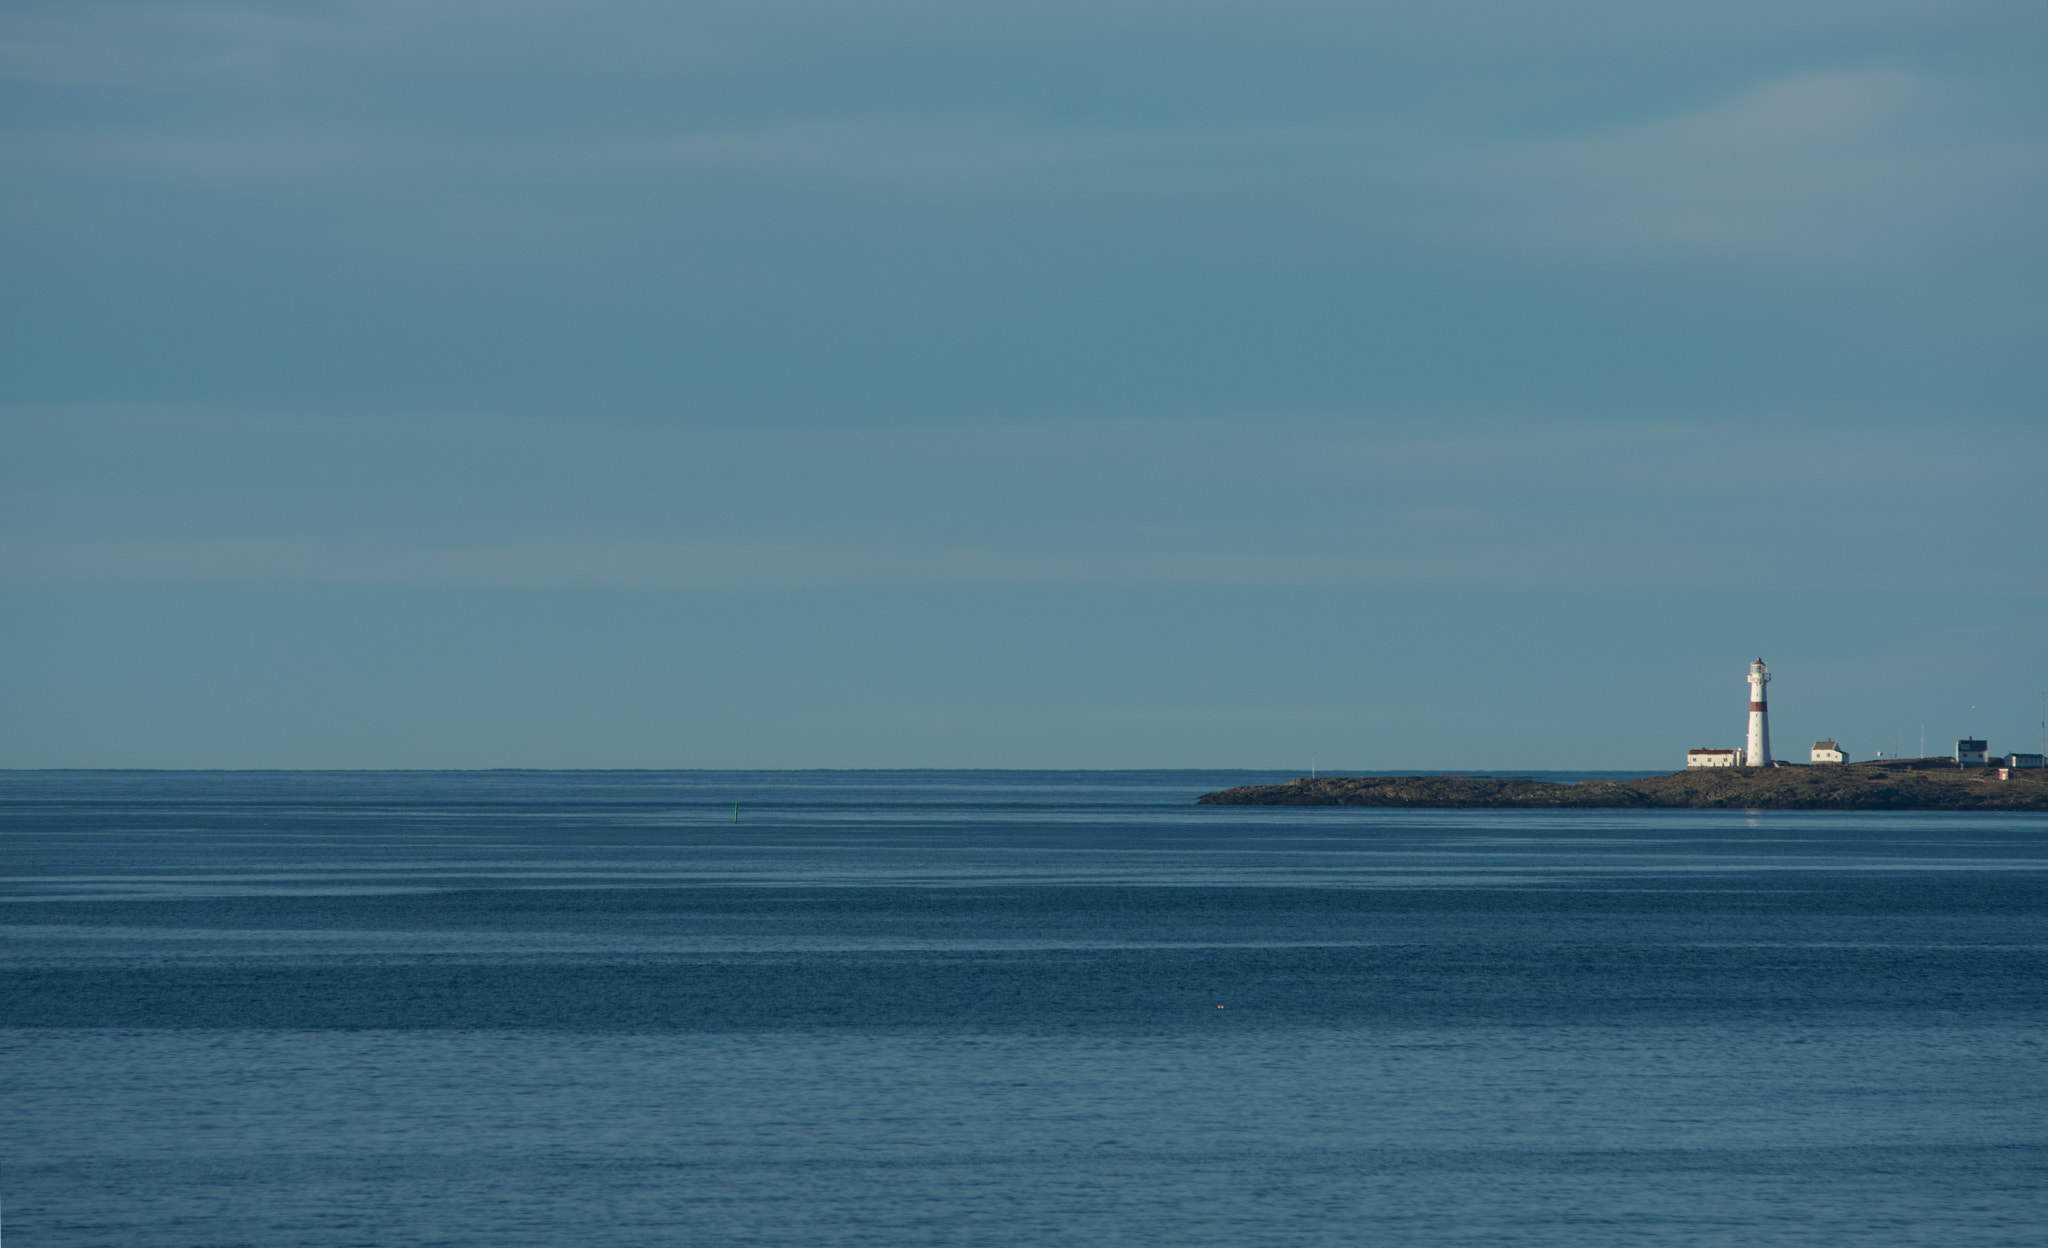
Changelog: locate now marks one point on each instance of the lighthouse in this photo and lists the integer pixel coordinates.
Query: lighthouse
(1759, 752)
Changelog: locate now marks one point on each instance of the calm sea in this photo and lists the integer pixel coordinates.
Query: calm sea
(1002, 1008)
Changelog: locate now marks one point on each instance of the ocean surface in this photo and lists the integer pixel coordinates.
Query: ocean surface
(1002, 1009)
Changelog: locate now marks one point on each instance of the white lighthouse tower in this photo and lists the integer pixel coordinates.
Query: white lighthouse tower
(1758, 754)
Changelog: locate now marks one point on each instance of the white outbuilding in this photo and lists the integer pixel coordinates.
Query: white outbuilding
(1829, 752)
(1970, 750)
(1712, 758)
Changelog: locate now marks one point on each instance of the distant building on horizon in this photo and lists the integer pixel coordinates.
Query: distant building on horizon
(2024, 760)
(1971, 750)
(1712, 758)
(1829, 752)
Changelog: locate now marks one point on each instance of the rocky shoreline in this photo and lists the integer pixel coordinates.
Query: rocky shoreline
(1909, 784)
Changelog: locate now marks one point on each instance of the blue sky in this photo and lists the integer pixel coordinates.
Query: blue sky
(794, 384)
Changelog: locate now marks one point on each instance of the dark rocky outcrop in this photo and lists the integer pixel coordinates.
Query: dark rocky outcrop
(1912, 784)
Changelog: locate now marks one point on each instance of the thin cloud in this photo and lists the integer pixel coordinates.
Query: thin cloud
(1818, 164)
(1585, 506)
(758, 564)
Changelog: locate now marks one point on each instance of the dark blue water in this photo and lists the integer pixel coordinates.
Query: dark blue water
(958, 1008)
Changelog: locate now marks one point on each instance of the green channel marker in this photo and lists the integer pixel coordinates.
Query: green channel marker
(735, 812)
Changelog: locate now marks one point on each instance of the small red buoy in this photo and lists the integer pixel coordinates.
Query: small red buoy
(1219, 1007)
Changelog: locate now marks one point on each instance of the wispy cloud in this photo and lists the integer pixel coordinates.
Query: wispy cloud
(1409, 558)
(116, 496)
(1814, 164)
(430, 123)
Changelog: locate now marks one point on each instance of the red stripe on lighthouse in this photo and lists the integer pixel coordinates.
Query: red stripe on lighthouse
(1756, 706)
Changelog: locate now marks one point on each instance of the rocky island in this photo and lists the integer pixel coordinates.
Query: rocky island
(1884, 784)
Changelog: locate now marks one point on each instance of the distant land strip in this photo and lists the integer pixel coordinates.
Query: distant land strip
(1905, 784)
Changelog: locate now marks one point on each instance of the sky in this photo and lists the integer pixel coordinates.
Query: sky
(1473, 385)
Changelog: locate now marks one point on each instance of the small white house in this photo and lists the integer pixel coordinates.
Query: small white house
(2024, 760)
(1829, 752)
(1970, 750)
(1712, 758)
